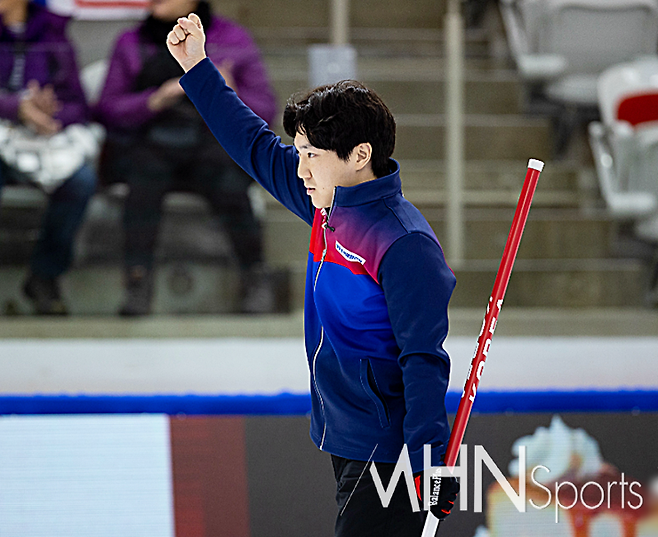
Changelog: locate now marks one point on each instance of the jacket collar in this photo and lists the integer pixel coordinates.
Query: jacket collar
(383, 187)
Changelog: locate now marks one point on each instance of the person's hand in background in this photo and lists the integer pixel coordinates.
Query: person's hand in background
(38, 108)
(167, 95)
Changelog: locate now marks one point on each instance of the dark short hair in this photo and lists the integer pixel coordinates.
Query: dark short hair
(338, 117)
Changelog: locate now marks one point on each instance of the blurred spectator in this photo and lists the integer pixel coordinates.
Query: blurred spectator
(159, 143)
(475, 11)
(40, 89)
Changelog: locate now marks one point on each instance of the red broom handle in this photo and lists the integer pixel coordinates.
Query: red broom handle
(489, 325)
(493, 309)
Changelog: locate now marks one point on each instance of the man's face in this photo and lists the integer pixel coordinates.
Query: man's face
(322, 171)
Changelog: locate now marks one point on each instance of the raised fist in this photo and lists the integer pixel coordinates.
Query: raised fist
(186, 41)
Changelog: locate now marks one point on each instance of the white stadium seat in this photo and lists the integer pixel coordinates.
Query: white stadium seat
(567, 43)
(625, 143)
(92, 78)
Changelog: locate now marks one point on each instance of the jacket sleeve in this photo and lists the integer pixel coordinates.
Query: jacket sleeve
(49, 59)
(66, 84)
(251, 80)
(417, 285)
(247, 138)
(119, 106)
(9, 103)
(65, 79)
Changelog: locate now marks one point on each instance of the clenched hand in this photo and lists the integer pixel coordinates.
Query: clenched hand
(186, 42)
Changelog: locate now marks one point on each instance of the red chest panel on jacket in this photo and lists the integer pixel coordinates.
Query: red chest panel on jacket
(348, 259)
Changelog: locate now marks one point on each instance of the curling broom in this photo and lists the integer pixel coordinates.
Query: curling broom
(489, 325)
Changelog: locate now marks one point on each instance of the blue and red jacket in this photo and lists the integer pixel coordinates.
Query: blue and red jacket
(377, 292)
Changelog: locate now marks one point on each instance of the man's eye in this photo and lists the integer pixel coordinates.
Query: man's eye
(310, 155)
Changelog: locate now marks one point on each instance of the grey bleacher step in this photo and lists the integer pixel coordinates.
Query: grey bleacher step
(524, 322)
(599, 283)
(549, 234)
(499, 183)
(487, 137)
(490, 175)
(181, 287)
(316, 13)
(293, 65)
(188, 232)
(559, 283)
(492, 198)
(483, 94)
(389, 25)
(17, 197)
(368, 40)
(424, 92)
(284, 47)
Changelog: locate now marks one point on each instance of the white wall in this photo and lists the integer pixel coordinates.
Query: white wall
(271, 366)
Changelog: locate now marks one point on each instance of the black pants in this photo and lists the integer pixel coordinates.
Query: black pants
(360, 511)
(151, 171)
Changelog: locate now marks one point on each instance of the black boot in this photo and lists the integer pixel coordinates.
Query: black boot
(139, 292)
(45, 295)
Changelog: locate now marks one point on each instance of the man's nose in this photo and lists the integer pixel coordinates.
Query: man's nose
(302, 170)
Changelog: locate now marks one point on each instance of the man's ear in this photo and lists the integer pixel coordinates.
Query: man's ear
(362, 155)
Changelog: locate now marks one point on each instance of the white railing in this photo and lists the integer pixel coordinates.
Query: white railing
(454, 149)
(340, 22)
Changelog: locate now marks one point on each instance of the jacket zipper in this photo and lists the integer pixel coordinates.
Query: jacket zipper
(317, 390)
(325, 223)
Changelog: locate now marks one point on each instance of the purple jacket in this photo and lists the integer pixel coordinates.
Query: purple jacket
(123, 108)
(49, 59)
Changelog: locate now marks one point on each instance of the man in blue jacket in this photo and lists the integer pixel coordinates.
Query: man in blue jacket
(377, 284)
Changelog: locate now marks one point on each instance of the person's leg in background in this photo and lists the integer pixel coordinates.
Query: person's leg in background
(360, 510)
(226, 186)
(53, 252)
(475, 11)
(149, 177)
(652, 295)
